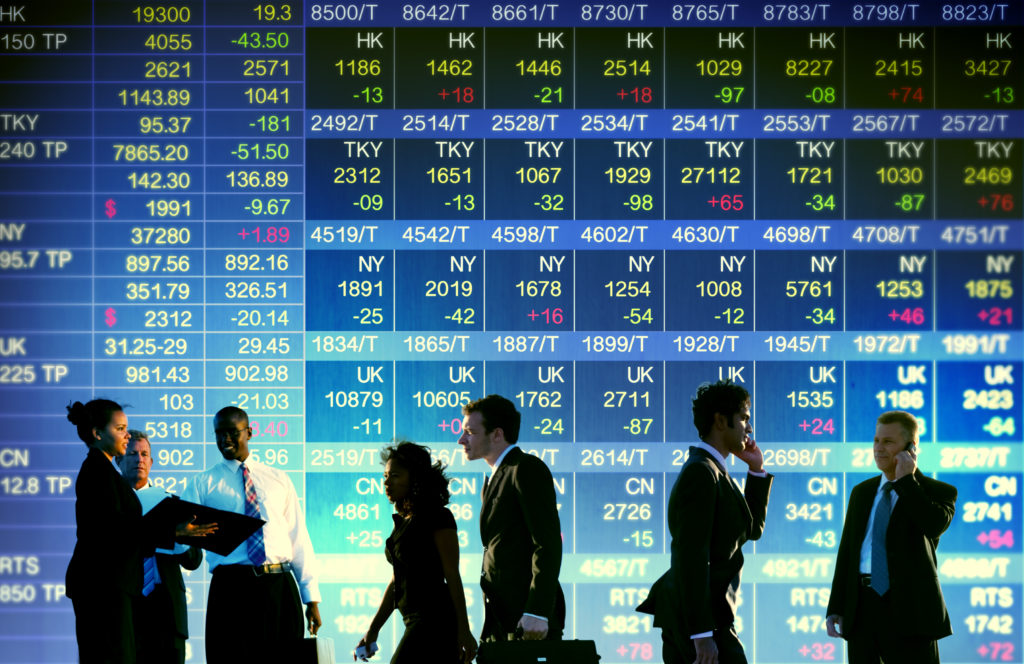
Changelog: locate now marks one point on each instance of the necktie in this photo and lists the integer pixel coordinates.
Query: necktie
(254, 545)
(879, 559)
(148, 575)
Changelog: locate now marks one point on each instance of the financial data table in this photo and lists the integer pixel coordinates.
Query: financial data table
(351, 218)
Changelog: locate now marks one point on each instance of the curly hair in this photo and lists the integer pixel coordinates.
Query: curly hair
(428, 485)
(723, 397)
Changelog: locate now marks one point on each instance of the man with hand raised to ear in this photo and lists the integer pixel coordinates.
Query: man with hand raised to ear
(885, 600)
(694, 603)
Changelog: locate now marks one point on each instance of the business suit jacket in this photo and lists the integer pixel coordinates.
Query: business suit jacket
(108, 516)
(522, 540)
(923, 512)
(709, 520)
(105, 571)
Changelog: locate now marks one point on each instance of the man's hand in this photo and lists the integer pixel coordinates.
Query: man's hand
(834, 625)
(190, 529)
(906, 464)
(752, 456)
(534, 629)
(707, 650)
(313, 617)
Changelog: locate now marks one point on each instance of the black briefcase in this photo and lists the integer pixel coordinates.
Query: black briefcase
(533, 652)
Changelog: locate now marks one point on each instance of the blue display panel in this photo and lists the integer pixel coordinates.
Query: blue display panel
(351, 218)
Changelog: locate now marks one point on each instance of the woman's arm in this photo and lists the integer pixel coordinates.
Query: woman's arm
(447, 543)
(384, 611)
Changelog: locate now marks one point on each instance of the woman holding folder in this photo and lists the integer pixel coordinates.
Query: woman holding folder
(105, 572)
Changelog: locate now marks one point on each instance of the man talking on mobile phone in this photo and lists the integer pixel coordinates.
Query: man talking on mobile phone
(886, 601)
(710, 519)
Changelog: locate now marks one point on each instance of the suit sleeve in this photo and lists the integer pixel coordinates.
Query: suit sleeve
(104, 516)
(847, 548)
(101, 517)
(692, 515)
(756, 493)
(535, 491)
(931, 511)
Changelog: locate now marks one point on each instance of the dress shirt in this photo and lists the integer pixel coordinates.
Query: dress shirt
(494, 469)
(865, 547)
(284, 534)
(501, 457)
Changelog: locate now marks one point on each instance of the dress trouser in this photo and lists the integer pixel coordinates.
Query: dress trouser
(103, 626)
(252, 618)
(679, 649)
(877, 636)
(428, 638)
(156, 638)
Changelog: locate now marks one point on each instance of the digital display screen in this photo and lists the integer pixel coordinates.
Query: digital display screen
(351, 218)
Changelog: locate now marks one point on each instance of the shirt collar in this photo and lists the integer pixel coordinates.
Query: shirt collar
(232, 464)
(715, 454)
(885, 480)
(501, 457)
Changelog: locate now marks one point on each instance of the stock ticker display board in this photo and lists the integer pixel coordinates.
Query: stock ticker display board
(349, 219)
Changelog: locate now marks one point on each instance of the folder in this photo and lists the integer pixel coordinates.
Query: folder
(232, 528)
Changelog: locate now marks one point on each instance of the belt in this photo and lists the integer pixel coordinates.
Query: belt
(865, 580)
(255, 570)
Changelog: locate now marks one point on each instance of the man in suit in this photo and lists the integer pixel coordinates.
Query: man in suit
(254, 609)
(159, 615)
(519, 527)
(694, 603)
(886, 601)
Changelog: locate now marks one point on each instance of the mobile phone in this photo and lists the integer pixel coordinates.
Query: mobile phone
(364, 652)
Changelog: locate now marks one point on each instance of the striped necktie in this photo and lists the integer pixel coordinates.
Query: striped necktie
(148, 575)
(879, 557)
(254, 545)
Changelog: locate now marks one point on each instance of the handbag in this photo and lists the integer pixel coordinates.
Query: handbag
(316, 650)
(531, 652)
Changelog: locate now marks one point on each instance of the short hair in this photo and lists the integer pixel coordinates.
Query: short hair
(91, 415)
(497, 413)
(723, 397)
(135, 434)
(233, 412)
(428, 485)
(901, 417)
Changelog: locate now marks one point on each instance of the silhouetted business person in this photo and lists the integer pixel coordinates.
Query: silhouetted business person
(885, 600)
(160, 615)
(519, 527)
(423, 550)
(105, 572)
(694, 603)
